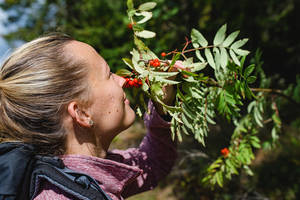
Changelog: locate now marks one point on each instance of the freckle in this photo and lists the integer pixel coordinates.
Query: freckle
(117, 110)
(109, 112)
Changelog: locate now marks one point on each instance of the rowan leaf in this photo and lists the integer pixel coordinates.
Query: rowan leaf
(230, 38)
(249, 70)
(241, 52)
(234, 58)
(197, 37)
(224, 58)
(239, 44)
(210, 58)
(145, 34)
(147, 15)
(147, 6)
(220, 36)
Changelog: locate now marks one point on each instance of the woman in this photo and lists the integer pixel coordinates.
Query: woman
(59, 95)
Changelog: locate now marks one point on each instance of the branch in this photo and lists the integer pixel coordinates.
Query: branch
(277, 92)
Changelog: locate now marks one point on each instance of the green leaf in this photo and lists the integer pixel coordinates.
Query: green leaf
(137, 27)
(230, 38)
(241, 52)
(234, 58)
(145, 86)
(220, 36)
(145, 34)
(219, 176)
(251, 79)
(164, 74)
(147, 6)
(130, 4)
(157, 89)
(175, 58)
(124, 72)
(238, 44)
(209, 58)
(128, 62)
(140, 44)
(167, 81)
(249, 70)
(224, 58)
(198, 55)
(195, 67)
(147, 16)
(197, 37)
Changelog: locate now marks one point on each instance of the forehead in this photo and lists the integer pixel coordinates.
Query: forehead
(80, 51)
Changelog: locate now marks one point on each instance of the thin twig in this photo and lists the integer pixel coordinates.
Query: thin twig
(275, 91)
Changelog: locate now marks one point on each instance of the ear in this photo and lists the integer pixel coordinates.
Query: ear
(79, 115)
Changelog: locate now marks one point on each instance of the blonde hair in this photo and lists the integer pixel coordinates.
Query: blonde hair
(37, 81)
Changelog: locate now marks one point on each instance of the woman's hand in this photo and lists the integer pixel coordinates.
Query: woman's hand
(169, 91)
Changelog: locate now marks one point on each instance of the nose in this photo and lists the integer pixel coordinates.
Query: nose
(119, 79)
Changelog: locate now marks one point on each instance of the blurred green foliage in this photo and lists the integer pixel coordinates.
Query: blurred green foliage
(271, 25)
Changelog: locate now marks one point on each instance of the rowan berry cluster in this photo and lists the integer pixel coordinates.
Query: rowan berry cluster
(155, 62)
(133, 82)
(225, 152)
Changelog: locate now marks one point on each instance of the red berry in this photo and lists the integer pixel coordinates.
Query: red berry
(140, 82)
(131, 83)
(135, 80)
(151, 62)
(225, 152)
(129, 25)
(163, 54)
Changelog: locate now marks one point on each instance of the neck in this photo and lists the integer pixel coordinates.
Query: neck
(84, 142)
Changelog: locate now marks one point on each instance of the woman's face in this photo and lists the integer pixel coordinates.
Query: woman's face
(109, 109)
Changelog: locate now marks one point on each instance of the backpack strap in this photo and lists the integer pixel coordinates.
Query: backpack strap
(80, 185)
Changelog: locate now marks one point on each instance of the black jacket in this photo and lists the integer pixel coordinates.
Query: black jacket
(21, 167)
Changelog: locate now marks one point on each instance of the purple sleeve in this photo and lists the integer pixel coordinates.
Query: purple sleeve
(155, 155)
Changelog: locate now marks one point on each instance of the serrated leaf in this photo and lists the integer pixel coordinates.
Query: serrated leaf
(195, 67)
(234, 58)
(164, 74)
(185, 131)
(210, 58)
(239, 43)
(197, 37)
(224, 58)
(198, 55)
(147, 6)
(251, 79)
(145, 86)
(147, 16)
(124, 72)
(175, 58)
(249, 70)
(220, 36)
(136, 66)
(219, 176)
(251, 106)
(140, 44)
(186, 122)
(241, 52)
(157, 89)
(145, 34)
(167, 81)
(128, 62)
(230, 38)
(137, 27)
(130, 4)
